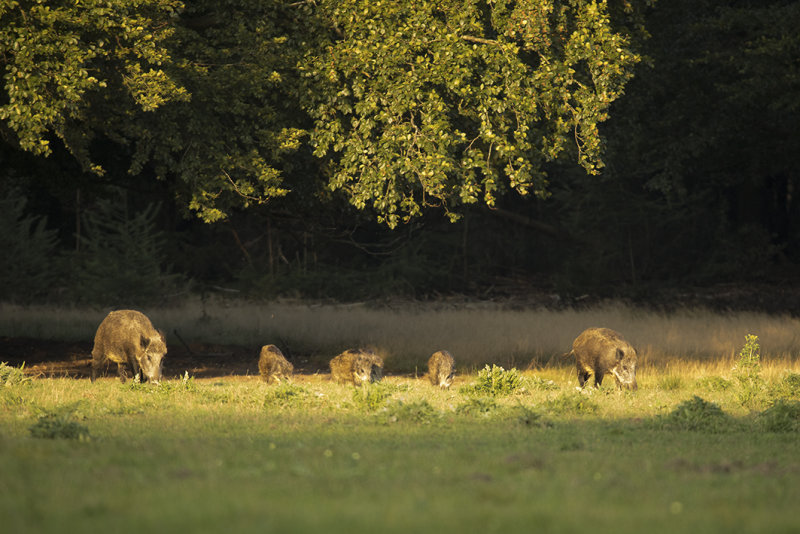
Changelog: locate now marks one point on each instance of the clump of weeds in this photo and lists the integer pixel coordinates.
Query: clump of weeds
(782, 416)
(285, 394)
(750, 387)
(477, 406)
(371, 397)
(59, 423)
(12, 376)
(496, 382)
(698, 414)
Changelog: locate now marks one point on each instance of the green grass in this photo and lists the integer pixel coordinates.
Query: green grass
(237, 455)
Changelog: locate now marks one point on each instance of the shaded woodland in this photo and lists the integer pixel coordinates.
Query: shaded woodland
(225, 184)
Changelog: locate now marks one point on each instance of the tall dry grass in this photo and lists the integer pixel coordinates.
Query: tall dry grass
(406, 335)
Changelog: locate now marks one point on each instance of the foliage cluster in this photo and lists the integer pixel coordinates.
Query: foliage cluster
(371, 396)
(782, 416)
(285, 394)
(698, 414)
(59, 422)
(750, 387)
(12, 376)
(271, 117)
(495, 381)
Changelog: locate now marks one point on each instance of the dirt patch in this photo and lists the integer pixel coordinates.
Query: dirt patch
(48, 358)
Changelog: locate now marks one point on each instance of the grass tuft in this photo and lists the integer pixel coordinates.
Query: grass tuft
(572, 403)
(12, 376)
(59, 423)
(414, 411)
(496, 382)
(698, 414)
(782, 416)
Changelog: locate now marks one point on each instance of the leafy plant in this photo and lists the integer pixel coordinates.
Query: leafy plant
(12, 376)
(698, 414)
(59, 423)
(477, 406)
(285, 394)
(371, 396)
(747, 373)
(495, 381)
(782, 416)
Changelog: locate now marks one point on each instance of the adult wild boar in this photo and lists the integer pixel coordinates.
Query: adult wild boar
(273, 365)
(600, 351)
(357, 367)
(441, 369)
(127, 338)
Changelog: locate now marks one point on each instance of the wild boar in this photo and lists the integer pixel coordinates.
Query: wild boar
(273, 365)
(441, 369)
(127, 338)
(357, 367)
(600, 351)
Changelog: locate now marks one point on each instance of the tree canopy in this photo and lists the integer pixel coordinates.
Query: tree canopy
(407, 104)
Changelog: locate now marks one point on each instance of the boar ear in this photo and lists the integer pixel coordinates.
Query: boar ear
(620, 354)
(145, 341)
(163, 336)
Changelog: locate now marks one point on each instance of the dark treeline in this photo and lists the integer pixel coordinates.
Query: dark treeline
(698, 186)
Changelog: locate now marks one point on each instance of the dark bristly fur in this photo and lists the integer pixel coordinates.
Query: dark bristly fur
(273, 365)
(441, 369)
(127, 338)
(600, 351)
(357, 367)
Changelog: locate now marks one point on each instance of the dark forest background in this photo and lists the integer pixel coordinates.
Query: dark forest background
(699, 196)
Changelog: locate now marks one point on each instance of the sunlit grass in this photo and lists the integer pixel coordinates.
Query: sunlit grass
(407, 335)
(215, 454)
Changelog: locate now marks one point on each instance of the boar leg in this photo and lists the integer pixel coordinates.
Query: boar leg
(598, 379)
(583, 376)
(122, 371)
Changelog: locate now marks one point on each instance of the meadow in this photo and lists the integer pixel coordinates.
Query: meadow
(700, 447)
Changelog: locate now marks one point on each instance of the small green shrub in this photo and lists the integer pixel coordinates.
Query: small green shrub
(698, 414)
(750, 386)
(416, 412)
(477, 406)
(59, 423)
(782, 416)
(285, 394)
(370, 397)
(714, 383)
(572, 403)
(12, 376)
(495, 381)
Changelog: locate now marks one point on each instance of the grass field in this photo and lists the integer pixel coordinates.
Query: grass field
(684, 453)
(237, 455)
